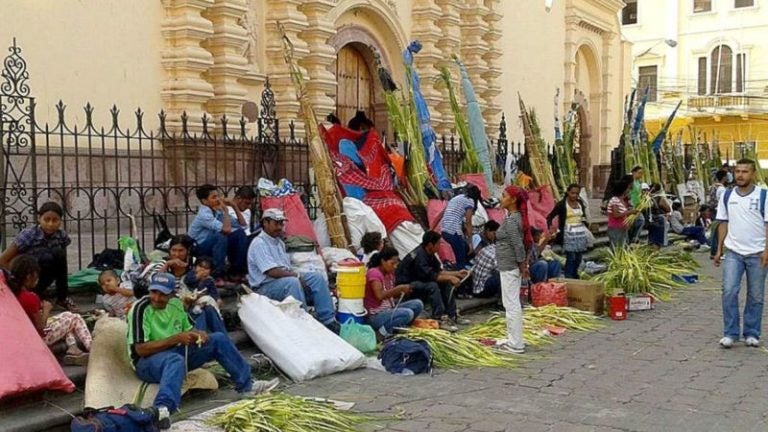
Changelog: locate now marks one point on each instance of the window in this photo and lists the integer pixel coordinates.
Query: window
(648, 78)
(743, 3)
(629, 13)
(702, 76)
(702, 6)
(741, 63)
(721, 75)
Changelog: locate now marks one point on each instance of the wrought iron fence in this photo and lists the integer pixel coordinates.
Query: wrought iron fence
(105, 175)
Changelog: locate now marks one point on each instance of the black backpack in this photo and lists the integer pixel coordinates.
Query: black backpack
(401, 354)
(128, 418)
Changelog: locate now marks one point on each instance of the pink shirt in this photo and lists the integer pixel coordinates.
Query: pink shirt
(372, 304)
(617, 205)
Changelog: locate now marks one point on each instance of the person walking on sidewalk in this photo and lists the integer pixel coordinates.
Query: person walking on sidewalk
(743, 231)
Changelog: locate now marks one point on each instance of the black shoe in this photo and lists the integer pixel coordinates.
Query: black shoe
(162, 417)
(334, 326)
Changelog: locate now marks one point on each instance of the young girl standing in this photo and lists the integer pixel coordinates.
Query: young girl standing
(67, 325)
(513, 239)
(47, 242)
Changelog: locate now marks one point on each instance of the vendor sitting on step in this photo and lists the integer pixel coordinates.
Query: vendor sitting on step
(542, 269)
(424, 273)
(270, 273)
(692, 233)
(163, 346)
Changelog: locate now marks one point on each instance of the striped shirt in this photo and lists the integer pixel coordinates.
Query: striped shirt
(453, 217)
(510, 249)
(617, 205)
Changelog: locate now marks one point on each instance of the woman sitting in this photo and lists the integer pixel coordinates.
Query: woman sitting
(383, 300)
(66, 326)
(542, 270)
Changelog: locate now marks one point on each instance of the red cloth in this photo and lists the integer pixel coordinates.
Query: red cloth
(28, 364)
(479, 181)
(372, 151)
(336, 133)
(389, 207)
(540, 203)
(298, 223)
(434, 209)
(496, 214)
(31, 304)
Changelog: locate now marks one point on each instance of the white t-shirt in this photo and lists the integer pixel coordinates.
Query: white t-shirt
(246, 215)
(746, 226)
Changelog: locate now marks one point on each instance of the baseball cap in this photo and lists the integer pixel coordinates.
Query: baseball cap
(274, 214)
(645, 186)
(163, 282)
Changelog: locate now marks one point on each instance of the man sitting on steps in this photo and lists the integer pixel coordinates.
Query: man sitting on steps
(163, 347)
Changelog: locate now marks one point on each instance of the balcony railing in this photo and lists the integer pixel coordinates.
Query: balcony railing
(720, 101)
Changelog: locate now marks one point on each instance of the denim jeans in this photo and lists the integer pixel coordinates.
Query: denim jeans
(634, 230)
(317, 288)
(219, 247)
(734, 267)
(572, 264)
(440, 297)
(491, 288)
(403, 316)
(695, 233)
(208, 320)
(543, 270)
(618, 237)
(459, 246)
(167, 368)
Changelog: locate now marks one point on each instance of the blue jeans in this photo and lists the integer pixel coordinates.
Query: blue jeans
(208, 320)
(459, 246)
(734, 267)
(403, 316)
(618, 237)
(219, 247)
(317, 288)
(440, 297)
(167, 368)
(572, 264)
(542, 270)
(695, 233)
(634, 230)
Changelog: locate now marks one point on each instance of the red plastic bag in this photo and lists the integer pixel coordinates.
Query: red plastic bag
(545, 293)
(28, 364)
(540, 204)
(298, 223)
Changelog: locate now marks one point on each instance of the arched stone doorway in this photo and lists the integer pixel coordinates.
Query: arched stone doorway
(588, 95)
(355, 82)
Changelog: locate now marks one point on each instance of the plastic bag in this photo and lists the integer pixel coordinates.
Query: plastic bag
(545, 293)
(360, 336)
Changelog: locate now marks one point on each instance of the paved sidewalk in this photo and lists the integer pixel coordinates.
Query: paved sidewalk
(659, 370)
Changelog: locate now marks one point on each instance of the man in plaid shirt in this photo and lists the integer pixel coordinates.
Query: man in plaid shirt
(485, 276)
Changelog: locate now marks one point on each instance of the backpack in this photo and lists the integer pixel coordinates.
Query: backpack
(128, 418)
(763, 195)
(401, 354)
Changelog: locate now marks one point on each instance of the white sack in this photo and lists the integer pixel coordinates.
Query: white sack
(360, 220)
(406, 237)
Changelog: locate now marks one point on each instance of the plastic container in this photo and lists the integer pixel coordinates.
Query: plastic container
(617, 307)
(350, 282)
(342, 317)
(353, 306)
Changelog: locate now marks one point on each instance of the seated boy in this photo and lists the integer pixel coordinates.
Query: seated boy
(694, 233)
(240, 211)
(213, 233)
(200, 288)
(371, 243)
(541, 269)
(116, 298)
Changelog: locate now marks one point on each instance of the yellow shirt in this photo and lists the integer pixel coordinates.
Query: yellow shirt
(572, 215)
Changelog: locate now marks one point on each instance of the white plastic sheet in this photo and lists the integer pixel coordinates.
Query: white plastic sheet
(298, 344)
(406, 237)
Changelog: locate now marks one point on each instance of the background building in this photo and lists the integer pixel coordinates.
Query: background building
(709, 54)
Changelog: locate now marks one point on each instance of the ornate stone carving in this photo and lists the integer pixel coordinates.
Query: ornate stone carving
(473, 49)
(492, 109)
(322, 82)
(425, 14)
(449, 44)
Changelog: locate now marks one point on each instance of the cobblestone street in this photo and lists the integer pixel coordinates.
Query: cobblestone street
(659, 370)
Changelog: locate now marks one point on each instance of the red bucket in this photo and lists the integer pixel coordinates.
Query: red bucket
(617, 307)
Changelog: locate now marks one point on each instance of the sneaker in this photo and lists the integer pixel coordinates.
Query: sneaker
(259, 387)
(333, 326)
(447, 324)
(726, 342)
(511, 349)
(752, 342)
(462, 321)
(163, 418)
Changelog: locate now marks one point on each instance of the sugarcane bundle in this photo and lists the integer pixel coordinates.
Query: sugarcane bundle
(459, 350)
(564, 145)
(470, 163)
(645, 270)
(476, 124)
(536, 151)
(279, 412)
(495, 328)
(330, 198)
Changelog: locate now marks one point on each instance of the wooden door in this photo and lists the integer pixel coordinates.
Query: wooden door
(355, 85)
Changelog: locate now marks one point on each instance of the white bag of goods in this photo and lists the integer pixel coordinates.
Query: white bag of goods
(336, 255)
(360, 220)
(297, 343)
(406, 237)
(321, 229)
(308, 262)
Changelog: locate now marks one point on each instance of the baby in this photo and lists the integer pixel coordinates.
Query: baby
(116, 298)
(200, 288)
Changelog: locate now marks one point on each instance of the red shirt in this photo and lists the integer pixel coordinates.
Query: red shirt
(31, 304)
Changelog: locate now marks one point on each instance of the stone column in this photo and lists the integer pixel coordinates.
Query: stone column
(425, 14)
(229, 64)
(321, 81)
(449, 44)
(185, 61)
(492, 109)
(474, 48)
(294, 21)
(569, 62)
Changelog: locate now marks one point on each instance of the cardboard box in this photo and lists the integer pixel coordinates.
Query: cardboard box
(585, 295)
(639, 302)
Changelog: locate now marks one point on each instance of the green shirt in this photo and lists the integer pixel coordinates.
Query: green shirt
(635, 193)
(147, 324)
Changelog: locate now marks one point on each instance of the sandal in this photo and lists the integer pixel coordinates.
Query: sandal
(69, 305)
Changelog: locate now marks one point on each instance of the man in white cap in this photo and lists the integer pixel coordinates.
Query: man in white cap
(163, 346)
(270, 273)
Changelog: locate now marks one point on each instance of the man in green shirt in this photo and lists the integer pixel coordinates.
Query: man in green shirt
(635, 195)
(163, 346)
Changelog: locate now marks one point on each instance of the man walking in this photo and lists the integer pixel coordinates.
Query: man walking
(742, 230)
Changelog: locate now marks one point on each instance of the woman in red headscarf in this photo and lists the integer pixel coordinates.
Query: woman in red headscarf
(513, 240)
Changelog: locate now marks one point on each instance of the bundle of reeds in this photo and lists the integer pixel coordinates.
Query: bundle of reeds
(536, 150)
(330, 198)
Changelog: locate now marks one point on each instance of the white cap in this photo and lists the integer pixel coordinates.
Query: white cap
(274, 214)
(645, 186)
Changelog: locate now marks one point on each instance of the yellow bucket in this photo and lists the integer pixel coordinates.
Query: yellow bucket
(350, 282)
